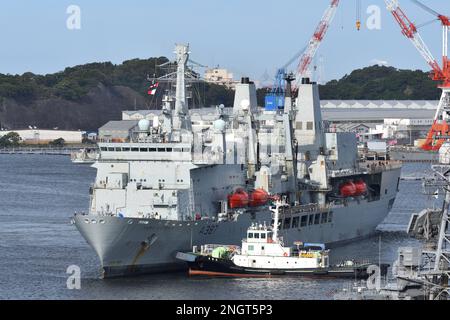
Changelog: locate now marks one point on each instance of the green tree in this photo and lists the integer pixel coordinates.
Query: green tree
(60, 142)
(11, 139)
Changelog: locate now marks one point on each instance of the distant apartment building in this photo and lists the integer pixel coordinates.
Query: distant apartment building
(219, 76)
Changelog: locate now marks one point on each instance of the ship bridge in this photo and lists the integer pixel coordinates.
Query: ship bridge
(179, 152)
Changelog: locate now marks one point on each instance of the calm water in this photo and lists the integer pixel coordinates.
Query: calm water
(38, 194)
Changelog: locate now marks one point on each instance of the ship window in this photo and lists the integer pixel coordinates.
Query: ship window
(385, 191)
(317, 218)
(135, 149)
(144, 149)
(295, 221)
(118, 149)
(287, 223)
(110, 149)
(311, 219)
(251, 248)
(263, 236)
(178, 150)
(169, 149)
(250, 235)
(151, 149)
(125, 149)
(324, 217)
(186, 150)
(256, 235)
(298, 125)
(161, 149)
(304, 221)
(309, 125)
(330, 216)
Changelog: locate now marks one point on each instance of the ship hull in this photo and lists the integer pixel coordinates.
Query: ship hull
(130, 246)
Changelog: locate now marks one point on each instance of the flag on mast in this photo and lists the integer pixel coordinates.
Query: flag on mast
(152, 89)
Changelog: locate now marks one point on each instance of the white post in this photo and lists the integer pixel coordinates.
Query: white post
(275, 220)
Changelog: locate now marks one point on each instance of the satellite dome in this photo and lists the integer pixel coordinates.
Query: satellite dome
(219, 125)
(144, 125)
(245, 104)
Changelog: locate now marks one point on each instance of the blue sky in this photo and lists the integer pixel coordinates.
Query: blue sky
(249, 37)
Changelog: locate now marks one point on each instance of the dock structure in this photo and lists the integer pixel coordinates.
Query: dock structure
(63, 151)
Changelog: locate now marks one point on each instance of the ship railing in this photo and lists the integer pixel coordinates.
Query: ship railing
(379, 166)
(207, 249)
(312, 207)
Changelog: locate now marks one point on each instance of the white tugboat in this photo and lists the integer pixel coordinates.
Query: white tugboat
(263, 254)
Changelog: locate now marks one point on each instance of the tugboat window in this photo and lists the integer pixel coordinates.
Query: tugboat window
(256, 235)
(263, 236)
(250, 235)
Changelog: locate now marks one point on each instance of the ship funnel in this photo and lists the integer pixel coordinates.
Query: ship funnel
(306, 81)
(245, 97)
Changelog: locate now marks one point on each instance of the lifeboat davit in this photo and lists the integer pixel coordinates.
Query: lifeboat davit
(238, 199)
(361, 187)
(258, 198)
(348, 189)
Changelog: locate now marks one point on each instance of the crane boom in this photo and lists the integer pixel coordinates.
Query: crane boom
(410, 31)
(440, 130)
(316, 40)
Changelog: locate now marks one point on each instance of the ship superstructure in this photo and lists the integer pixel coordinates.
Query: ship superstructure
(170, 184)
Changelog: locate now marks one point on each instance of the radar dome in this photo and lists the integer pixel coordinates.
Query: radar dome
(219, 125)
(245, 104)
(144, 125)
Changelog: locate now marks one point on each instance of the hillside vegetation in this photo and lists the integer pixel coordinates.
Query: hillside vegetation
(382, 83)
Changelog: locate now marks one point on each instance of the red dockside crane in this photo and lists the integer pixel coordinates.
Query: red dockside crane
(440, 130)
(316, 40)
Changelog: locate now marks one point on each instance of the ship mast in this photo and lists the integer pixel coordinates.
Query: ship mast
(181, 116)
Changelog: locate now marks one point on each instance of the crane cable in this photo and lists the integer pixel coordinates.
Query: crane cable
(358, 15)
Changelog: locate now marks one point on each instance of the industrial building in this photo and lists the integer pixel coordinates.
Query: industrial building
(364, 117)
(117, 131)
(42, 136)
(220, 76)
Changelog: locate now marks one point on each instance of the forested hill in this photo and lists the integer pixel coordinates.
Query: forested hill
(87, 96)
(382, 83)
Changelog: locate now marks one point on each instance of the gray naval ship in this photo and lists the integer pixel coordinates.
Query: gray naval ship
(176, 182)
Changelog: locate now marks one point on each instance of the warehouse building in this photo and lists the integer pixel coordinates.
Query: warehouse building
(117, 131)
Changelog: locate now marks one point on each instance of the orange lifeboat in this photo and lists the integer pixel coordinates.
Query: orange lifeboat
(361, 187)
(258, 198)
(348, 189)
(238, 199)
